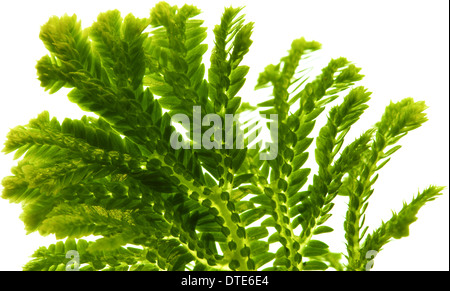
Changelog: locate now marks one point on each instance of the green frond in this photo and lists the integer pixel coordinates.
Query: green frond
(232, 42)
(55, 258)
(118, 44)
(75, 221)
(398, 226)
(399, 118)
(66, 41)
(281, 75)
(176, 48)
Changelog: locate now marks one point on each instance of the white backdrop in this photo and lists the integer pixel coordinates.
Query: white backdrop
(402, 47)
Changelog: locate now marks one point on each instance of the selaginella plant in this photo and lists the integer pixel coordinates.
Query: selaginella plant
(209, 199)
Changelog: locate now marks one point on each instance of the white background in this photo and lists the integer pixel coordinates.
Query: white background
(402, 47)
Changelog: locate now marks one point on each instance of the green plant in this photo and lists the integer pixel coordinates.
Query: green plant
(119, 176)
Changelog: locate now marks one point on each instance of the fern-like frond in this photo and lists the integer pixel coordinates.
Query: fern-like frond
(399, 118)
(396, 227)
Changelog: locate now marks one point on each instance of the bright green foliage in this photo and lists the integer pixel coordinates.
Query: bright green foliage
(118, 177)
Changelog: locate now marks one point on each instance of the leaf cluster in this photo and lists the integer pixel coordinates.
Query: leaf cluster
(154, 207)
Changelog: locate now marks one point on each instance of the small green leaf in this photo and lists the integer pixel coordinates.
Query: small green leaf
(267, 103)
(263, 259)
(391, 151)
(252, 215)
(317, 244)
(383, 164)
(239, 159)
(238, 74)
(258, 247)
(298, 176)
(312, 252)
(255, 233)
(233, 105)
(323, 229)
(305, 129)
(244, 178)
(314, 265)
